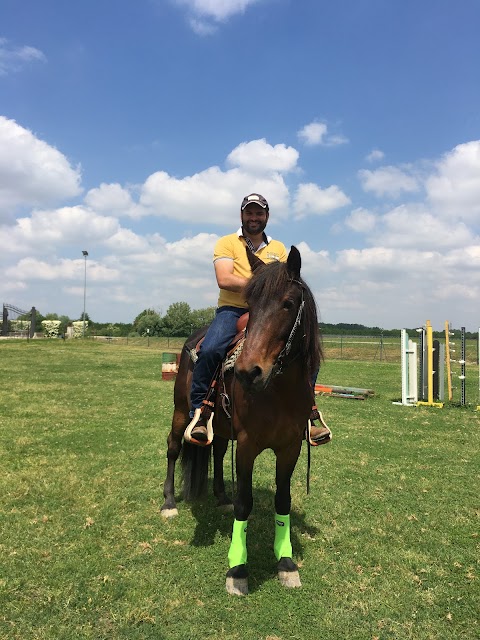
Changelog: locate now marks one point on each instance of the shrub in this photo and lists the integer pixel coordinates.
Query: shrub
(20, 325)
(78, 328)
(51, 328)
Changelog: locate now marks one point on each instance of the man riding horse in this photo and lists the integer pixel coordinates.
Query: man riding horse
(233, 271)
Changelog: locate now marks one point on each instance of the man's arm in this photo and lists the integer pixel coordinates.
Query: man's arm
(226, 279)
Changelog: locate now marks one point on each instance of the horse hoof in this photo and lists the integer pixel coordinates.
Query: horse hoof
(225, 508)
(237, 586)
(169, 513)
(288, 573)
(290, 579)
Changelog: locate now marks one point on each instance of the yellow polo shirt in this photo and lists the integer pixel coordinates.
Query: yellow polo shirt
(233, 247)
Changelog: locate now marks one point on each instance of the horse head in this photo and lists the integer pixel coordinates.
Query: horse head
(276, 330)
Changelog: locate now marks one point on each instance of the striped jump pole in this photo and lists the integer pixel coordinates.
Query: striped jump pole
(463, 374)
(448, 361)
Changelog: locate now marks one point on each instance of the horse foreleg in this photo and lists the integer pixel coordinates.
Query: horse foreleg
(237, 575)
(174, 444)
(219, 449)
(287, 569)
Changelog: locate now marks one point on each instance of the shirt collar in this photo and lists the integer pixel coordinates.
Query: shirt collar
(265, 242)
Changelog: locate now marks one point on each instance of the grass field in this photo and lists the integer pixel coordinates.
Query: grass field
(387, 540)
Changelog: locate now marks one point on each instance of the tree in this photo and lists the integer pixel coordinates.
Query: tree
(202, 317)
(178, 320)
(145, 312)
(64, 321)
(151, 321)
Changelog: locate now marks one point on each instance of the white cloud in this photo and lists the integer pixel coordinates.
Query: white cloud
(313, 133)
(375, 155)
(388, 181)
(168, 272)
(219, 10)
(203, 12)
(47, 231)
(31, 171)
(126, 241)
(361, 220)
(14, 59)
(466, 259)
(422, 261)
(113, 199)
(454, 190)
(211, 196)
(457, 293)
(32, 269)
(343, 300)
(315, 264)
(386, 260)
(257, 156)
(316, 133)
(413, 225)
(312, 199)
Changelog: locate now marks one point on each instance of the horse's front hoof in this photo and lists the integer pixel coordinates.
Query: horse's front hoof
(169, 513)
(288, 573)
(225, 506)
(236, 583)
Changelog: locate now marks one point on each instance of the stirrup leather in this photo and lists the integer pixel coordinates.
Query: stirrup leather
(187, 436)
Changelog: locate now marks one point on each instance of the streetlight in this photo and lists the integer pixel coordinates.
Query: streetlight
(85, 254)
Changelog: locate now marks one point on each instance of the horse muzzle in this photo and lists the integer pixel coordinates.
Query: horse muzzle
(253, 378)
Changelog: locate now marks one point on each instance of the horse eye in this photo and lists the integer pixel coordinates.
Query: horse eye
(287, 304)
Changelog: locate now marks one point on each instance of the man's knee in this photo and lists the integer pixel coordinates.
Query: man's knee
(212, 353)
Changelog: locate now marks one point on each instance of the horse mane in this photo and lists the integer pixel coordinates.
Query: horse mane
(266, 283)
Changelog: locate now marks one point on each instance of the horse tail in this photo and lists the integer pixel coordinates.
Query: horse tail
(195, 465)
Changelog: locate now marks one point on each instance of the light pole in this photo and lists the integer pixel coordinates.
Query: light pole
(85, 254)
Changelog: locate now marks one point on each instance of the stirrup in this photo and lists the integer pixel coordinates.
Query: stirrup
(328, 436)
(187, 436)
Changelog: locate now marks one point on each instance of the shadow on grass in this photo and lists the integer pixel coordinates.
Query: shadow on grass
(262, 564)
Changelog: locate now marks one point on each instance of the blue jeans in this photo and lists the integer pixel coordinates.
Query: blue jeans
(212, 351)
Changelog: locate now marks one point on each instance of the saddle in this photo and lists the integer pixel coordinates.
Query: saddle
(241, 326)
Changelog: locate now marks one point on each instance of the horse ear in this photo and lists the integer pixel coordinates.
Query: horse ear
(254, 261)
(294, 263)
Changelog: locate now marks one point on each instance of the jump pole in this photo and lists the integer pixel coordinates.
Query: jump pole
(409, 371)
(463, 375)
(429, 338)
(447, 359)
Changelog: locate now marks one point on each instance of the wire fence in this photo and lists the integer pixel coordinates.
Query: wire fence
(366, 348)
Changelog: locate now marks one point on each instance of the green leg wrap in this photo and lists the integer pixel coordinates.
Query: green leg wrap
(237, 554)
(282, 545)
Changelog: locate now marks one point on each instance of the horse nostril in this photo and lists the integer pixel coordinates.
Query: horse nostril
(255, 373)
(249, 378)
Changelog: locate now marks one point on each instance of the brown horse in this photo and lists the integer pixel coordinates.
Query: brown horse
(270, 399)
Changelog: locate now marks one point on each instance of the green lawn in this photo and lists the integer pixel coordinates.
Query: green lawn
(387, 540)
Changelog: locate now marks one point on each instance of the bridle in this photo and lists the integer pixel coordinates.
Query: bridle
(279, 362)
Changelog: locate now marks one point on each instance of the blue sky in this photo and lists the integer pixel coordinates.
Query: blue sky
(134, 129)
